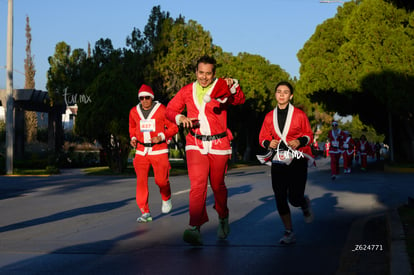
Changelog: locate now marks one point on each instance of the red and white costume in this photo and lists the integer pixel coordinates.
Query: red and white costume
(348, 155)
(326, 148)
(206, 158)
(297, 125)
(336, 138)
(364, 149)
(143, 129)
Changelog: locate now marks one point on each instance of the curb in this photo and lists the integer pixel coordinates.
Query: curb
(396, 253)
(352, 262)
(391, 169)
(400, 263)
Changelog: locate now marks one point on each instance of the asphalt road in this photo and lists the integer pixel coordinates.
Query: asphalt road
(76, 224)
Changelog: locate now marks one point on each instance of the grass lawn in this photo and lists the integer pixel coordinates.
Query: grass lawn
(177, 168)
(31, 172)
(407, 220)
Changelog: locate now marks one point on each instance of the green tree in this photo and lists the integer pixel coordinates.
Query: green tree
(185, 42)
(30, 117)
(361, 62)
(258, 79)
(63, 80)
(110, 95)
(144, 49)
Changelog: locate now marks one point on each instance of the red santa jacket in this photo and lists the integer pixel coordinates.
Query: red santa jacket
(212, 118)
(348, 145)
(298, 126)
(143, 129)
(363, 147)
(337, 141)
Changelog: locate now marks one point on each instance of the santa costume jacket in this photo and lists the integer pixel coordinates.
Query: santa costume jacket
(364, 148)
(297, 125)
(154, 125)
(337, 141)
(349, 146)
(212, 117)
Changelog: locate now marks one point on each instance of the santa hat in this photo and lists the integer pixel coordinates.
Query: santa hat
(220, 91)
(145, 90)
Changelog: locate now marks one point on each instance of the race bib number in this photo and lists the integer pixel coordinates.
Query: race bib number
(346, 146)
(335, 143)
(147, 125)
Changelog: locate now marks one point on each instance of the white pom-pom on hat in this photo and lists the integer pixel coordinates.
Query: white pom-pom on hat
(207, 98)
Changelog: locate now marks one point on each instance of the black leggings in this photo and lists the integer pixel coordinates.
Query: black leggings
(288, 183)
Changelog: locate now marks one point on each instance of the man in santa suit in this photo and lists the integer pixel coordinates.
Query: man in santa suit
(364, 149)
(336, 139)
(150, 131)
(207, 143)
(349, 150)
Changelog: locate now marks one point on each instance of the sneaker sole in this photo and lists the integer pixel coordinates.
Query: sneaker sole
(222, 234)
(287, 243)
(167, 209)
(144, 221)
(191, 238)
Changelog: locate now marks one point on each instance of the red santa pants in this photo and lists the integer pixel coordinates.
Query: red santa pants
(335, 162)
(364, 162)
(200, 168)
(348, 160)
(161, 167)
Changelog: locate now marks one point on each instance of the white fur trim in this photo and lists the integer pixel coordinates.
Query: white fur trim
(222, 100)
(145, 94)
(162, 136)
(207, 98)
(177, 119)
(234, 86)
(157, 152)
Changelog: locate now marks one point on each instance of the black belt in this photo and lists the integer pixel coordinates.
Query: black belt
(149, 144)
(208, 138)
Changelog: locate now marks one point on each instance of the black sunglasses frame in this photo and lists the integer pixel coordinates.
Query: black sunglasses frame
(147, 97)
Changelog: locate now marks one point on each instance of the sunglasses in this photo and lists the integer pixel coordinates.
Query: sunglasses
(147, 97)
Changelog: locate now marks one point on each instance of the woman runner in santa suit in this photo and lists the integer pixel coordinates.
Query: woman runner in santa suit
(286, 130)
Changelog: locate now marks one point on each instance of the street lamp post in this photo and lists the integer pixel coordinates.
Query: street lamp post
(9, 92)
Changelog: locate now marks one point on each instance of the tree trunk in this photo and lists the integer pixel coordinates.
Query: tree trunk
(410, 134)
(247, 152)
(55, 129)
(390, 133)
(31, 126)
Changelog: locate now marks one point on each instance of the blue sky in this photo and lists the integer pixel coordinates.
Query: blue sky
(274, 29)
